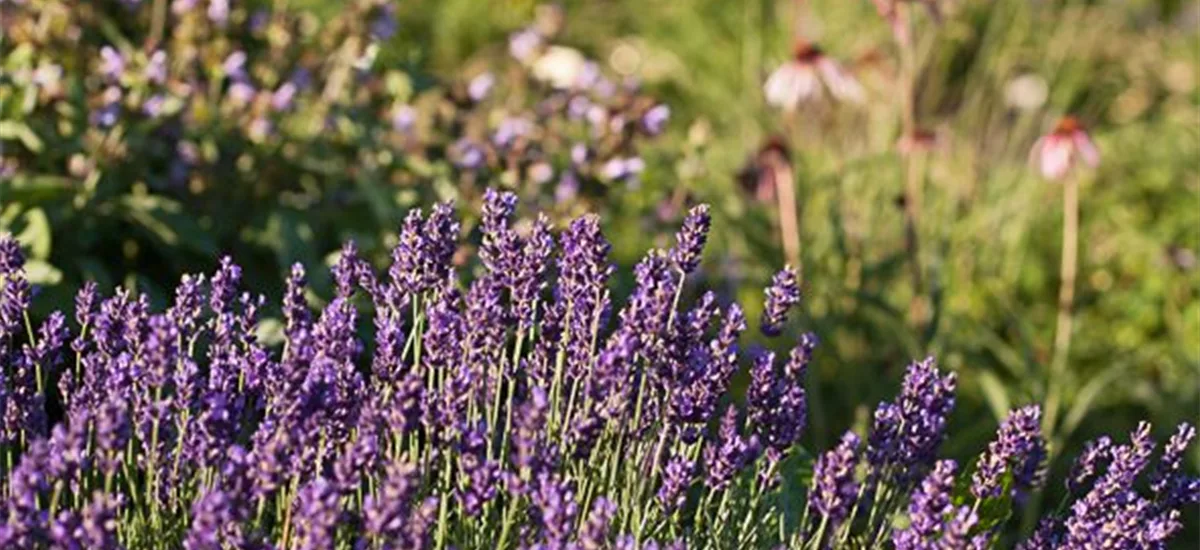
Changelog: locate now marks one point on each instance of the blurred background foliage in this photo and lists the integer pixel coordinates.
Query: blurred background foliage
(386, 115)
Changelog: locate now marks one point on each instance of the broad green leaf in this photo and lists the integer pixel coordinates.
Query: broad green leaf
(40, 272)
(37, 233)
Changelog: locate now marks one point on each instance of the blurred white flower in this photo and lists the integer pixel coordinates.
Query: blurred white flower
(560, 66)
(1026, 92)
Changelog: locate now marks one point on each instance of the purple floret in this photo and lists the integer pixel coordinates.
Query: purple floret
(782, 295)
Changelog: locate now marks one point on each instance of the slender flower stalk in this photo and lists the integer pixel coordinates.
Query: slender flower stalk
(1056, 155)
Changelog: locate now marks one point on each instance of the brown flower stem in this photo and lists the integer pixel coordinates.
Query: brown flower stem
(1066, 301)
(789, 221)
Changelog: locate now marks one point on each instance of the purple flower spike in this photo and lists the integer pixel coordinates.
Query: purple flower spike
(1094, 456)
(99, 522)
(1112, 514)
(595, 532)
(224, 285)
(957, 535)
(677, 477)
(782, 295)
(499, 250)
(390, 518)
(480, 474)
(834, 486)
(729, 453)
(1020, 449)
(421, 261)
(214, 523)
(928, 509)
(1171, 488)
(12, 260)
(906, 434)
(689, 242)
(1045, 537)
(554, 510)
(317, 515)
(777, 401)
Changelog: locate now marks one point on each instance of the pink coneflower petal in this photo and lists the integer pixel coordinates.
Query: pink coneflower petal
(1055, 157)
(841, 83)
(778, 88)
(1086, 148)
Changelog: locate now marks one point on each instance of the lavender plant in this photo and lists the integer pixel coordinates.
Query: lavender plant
(160, 126)
(520, 409)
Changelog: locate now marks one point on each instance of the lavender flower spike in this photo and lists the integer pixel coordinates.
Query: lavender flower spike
(1095, 454)
(1019, 448)
(906, 434)
(677, 477)
(1170, 487)
(782, 295)
(834, 487)
(928, 510)
(689, 242)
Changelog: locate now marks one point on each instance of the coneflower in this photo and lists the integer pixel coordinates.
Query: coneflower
(800, 79)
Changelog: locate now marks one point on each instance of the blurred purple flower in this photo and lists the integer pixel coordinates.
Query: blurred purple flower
(480, 86)
(218, 12)
(654, 121)
(524, 44)
(623, 168)
(156, 67)
(403, 117)
(112, 63)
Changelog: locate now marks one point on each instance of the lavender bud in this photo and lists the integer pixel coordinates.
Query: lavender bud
(1095, 454)
(782, 295)
(689, 242)
(834, 487)
(1019, 449)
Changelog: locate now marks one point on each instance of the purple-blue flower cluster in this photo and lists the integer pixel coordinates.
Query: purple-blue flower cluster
(522, 409)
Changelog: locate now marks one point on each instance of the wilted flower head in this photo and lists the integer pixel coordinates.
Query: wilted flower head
(1057, 153)
(799, 80)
